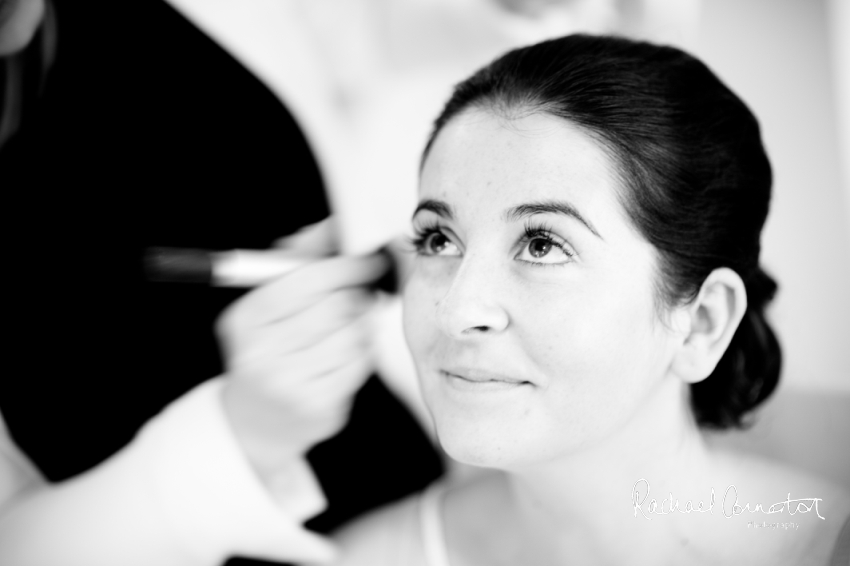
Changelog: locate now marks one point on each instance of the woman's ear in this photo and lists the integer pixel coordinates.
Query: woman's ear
(713, 319)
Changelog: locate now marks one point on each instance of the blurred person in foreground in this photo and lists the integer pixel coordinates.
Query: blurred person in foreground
(199, 482)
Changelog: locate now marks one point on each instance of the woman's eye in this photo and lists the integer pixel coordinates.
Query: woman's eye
(538, 247)
(544, 250)
(437, 243)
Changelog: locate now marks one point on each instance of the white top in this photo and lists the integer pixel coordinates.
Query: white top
(431, 522)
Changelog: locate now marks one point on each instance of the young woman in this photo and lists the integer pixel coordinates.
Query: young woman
(585, 300)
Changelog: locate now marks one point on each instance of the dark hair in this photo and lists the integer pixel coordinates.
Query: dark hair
(690, 156)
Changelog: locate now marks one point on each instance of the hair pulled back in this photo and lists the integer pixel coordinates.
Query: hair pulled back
(695, 175)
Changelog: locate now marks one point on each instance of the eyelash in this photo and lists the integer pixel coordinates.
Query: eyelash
(532, 231)
(422, 234)
(542, 231)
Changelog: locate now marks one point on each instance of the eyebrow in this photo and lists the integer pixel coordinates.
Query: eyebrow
(444, 210)
(549, 207)
(438, 207)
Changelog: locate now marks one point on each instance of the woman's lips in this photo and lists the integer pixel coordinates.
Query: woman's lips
(474, 379)
(481, 375)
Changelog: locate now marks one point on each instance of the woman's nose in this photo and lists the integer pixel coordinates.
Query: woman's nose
(471, 306)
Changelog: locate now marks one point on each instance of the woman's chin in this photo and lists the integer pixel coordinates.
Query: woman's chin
(477, 446)
(505, 445)
(480, 456)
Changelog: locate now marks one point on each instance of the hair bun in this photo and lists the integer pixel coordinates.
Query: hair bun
(761, 288)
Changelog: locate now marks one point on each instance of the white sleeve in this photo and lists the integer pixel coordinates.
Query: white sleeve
(181, 493)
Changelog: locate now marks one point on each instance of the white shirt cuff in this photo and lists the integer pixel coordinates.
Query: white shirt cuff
(210, 496)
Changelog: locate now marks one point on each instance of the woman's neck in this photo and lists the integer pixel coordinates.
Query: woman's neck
(592, 506)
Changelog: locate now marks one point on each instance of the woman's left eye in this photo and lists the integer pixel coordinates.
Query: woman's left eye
(543, 249)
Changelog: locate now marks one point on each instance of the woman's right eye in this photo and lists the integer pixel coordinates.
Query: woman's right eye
(436, 243)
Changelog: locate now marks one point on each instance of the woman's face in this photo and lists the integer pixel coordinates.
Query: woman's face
(530, 307)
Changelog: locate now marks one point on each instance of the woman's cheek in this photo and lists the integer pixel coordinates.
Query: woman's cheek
(557, 323)
(411, 320)
(575, 337)
(419, 299)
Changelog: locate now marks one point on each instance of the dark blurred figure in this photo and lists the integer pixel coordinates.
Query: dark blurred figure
(135, 129)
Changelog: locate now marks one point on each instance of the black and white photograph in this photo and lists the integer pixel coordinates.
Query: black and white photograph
(425, 282)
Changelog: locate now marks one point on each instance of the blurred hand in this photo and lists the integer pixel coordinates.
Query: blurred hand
(297, 350)
(19, 19)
